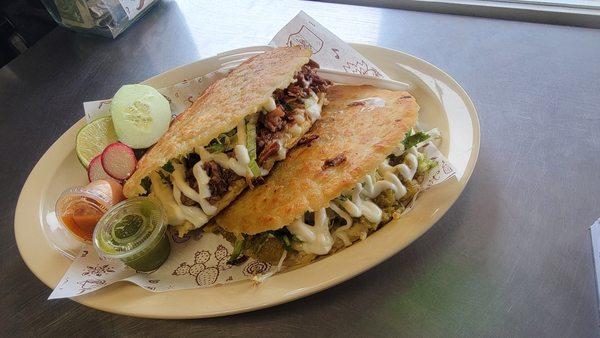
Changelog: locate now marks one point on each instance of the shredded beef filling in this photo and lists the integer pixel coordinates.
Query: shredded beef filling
(220, 180)
(270, 126)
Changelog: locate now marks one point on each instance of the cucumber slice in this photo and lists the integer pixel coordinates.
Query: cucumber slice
(140, 114)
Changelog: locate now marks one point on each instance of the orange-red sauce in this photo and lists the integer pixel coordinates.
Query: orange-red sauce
(81, 218)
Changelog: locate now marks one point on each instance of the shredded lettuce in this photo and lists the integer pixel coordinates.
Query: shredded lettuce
(425, 163)
(168, 167)
(223, 143)
(238, 249)
(251, 146)
(283, 235)
(146, 183)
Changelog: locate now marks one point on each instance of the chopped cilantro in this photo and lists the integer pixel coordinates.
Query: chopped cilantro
(414, 139)
(237, 254)
(283, 235)
(146, 183)
(223, 142)
(168, 167)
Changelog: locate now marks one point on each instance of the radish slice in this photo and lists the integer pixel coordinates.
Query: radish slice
(118, 160)
(96, 171)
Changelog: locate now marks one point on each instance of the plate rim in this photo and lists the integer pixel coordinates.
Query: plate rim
(476, 141)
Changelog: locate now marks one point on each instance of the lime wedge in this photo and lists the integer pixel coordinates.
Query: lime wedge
(93, 138)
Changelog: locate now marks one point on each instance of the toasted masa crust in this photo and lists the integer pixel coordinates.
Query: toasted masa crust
(364, 134)
(222, 106)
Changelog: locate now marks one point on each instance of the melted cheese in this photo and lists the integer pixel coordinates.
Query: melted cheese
(316, 238)
(176, 212)
(299, 118)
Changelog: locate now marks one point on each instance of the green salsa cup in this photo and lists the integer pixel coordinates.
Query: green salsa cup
(134, 231)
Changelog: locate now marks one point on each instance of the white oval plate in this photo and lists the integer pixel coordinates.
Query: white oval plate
(444, 104)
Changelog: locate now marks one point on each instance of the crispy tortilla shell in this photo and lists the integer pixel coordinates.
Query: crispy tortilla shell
(362, 134)
(220, 108)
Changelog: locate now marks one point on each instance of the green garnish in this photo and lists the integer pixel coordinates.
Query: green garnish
(251, 146)
(168, 167)
(146, 183)
(223, 143)
(425, 164)
(236, 255)
(283, 235)
(412, 140)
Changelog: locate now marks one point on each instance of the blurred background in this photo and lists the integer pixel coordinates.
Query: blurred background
(23, 22)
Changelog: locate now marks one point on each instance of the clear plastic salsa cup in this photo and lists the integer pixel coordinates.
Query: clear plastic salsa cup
(134, 231)
(79, 209)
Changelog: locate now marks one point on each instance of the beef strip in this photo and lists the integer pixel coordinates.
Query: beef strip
(307, 139)
(274, 120)
(332, 162)
(270, 126)
(271, 149)
(220, 180)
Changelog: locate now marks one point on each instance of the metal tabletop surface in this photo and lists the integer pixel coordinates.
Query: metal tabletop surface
(511, 257)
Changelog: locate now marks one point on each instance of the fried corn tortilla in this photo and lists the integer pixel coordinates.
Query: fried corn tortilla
(349, 141)
(222, 106)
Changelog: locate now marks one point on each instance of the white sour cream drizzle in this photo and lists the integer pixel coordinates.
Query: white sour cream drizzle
(200, 196)
(282, 151)
(408, 169)
(318, 240)
(177, 213)
(341, 231)
(238, 163)
(296, 130)
(315, 238)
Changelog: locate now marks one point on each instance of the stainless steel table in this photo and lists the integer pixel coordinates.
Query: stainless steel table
(512, 256)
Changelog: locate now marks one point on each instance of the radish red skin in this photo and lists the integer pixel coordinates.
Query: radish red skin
(118, 160)
(96, 171)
